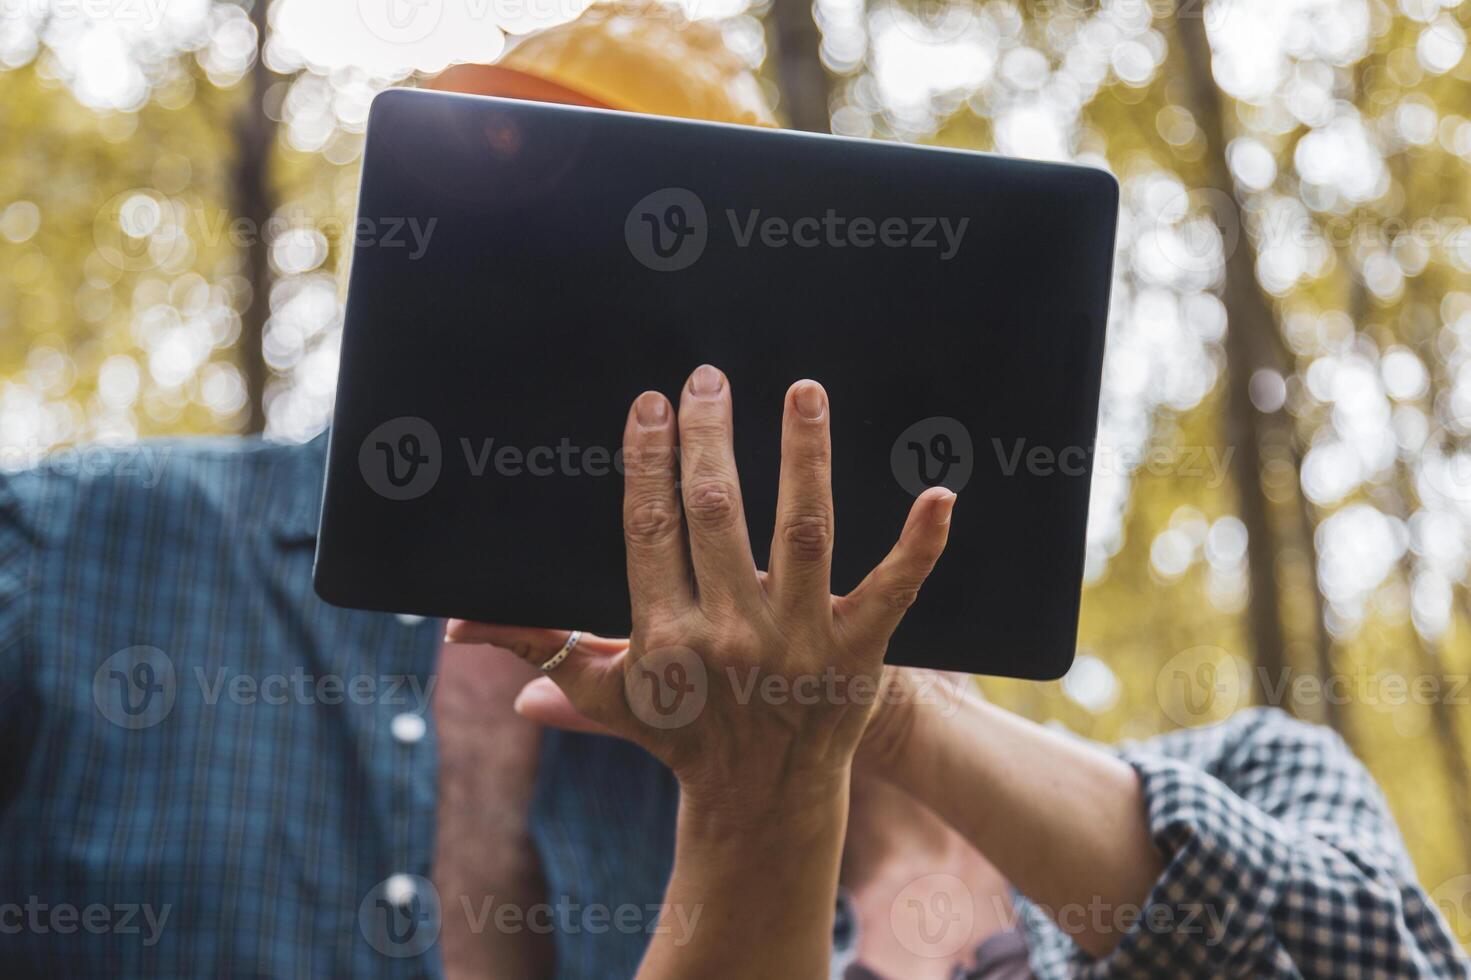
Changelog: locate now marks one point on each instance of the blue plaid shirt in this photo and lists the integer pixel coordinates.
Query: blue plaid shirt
(207, 771)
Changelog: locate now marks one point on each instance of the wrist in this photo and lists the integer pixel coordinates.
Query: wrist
(774, 875)
(911, 722)
(795, 810)
(933, 724)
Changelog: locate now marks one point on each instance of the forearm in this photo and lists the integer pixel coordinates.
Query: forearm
(1062, 820)
(751, 898)
(484, 856)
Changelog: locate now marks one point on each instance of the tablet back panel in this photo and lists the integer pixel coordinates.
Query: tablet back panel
(522, 271)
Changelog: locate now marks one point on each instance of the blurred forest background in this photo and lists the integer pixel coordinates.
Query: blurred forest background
(1282, 503)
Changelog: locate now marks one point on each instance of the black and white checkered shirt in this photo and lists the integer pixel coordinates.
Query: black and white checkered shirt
(1281, 861)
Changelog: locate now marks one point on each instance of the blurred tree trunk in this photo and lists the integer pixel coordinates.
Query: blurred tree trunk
(1335, 715)
(805, 85)
(255, 133)
(1431, 663)
(1427, 655)
(1252, 343)
(1430, 656)
(1429, 660)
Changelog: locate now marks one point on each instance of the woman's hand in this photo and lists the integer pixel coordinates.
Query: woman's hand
(750, 687)
(764, 773)
(755, 690)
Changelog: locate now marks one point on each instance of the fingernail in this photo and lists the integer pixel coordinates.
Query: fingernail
(944, 507)
(810, 401)
(651, 409)
(705, 381)
(452, 629)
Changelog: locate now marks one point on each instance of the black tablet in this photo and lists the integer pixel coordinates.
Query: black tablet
(522, 271)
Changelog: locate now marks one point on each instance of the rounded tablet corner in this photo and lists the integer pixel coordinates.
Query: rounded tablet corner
(387, 101)
(1053, 668)
(1104, 183)
(322, 586)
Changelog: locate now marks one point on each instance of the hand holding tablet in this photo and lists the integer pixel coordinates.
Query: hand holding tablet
(719, 676)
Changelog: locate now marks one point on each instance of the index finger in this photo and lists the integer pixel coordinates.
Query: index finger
(720, 550)
(653, 526)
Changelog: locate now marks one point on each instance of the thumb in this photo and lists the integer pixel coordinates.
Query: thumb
(545, 703)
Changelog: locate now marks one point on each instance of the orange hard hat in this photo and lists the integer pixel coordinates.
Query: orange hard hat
(638, 57)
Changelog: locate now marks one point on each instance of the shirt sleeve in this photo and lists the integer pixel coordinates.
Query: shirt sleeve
(1282, 860)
